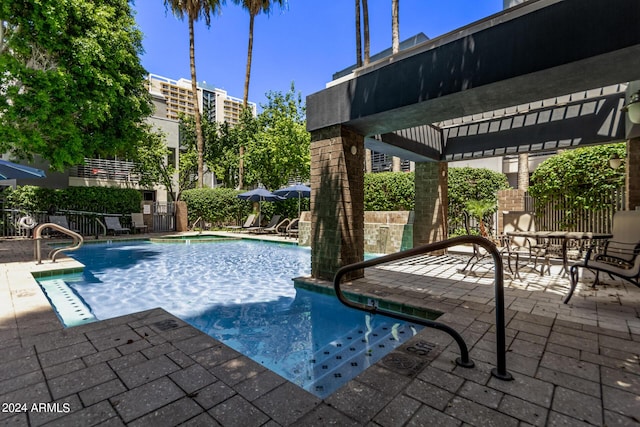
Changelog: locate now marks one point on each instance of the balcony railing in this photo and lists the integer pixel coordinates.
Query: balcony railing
(116, 170)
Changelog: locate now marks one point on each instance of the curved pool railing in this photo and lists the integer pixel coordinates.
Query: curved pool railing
(500, 371)
(78, 240)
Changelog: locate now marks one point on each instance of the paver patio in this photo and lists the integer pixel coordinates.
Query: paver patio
(576, 364)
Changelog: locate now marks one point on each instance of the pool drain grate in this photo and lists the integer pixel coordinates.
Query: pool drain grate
(69, 307)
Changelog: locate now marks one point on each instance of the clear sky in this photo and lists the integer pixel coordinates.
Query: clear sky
(304, 43)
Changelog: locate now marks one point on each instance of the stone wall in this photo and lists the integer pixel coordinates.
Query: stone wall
(384, 232)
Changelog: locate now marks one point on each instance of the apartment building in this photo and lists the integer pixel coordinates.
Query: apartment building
(213, 102)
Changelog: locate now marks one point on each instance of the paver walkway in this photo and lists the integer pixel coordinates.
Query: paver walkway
(573, 365)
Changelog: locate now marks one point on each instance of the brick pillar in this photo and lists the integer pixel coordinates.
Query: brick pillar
(337, 200)
(431, 209)
(633, 173)
(509, 201)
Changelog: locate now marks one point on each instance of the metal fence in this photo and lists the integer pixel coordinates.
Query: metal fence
(13, 224)
(164, 218)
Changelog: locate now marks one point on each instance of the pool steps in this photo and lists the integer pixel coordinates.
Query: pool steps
(346, 357)
(67, 304)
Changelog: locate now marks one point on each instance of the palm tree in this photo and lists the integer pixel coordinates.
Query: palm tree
(395, 26)
(365, 16)
(358, 37)
(254, 7)
(194, 10)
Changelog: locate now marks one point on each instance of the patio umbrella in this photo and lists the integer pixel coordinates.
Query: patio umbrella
(10, 170)
(297, 190)
(260, 195)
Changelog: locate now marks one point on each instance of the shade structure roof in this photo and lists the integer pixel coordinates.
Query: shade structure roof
(538, 64)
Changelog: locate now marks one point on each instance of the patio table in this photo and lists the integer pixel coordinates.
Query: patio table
(565, 237)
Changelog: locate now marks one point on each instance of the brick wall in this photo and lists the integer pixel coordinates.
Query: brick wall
(509, 201)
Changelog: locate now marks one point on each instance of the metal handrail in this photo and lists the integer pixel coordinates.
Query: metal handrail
(500, 371)
(78, 240)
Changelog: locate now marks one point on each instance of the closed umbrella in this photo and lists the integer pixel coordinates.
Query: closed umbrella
(10, 170)
(259, 195)
(297, 190)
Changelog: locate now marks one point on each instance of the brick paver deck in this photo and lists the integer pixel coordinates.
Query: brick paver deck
(572, 365)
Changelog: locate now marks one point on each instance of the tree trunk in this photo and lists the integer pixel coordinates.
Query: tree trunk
(365, 13)
(395, 26)
(358, 36)
(245, 100)
(196, 108)
(523, 171)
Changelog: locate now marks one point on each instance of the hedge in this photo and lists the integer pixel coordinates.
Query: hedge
(112, 200)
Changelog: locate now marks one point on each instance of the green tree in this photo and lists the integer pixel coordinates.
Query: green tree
(254, 7)
(71, 84)
(581, 177)
(194, 10)
(473, 184)
(279, 150)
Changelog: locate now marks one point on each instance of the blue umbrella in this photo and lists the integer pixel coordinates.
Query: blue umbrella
(297, 190)
(10, 170)
(260, 195)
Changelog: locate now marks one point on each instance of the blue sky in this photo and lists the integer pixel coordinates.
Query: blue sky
(304, 43)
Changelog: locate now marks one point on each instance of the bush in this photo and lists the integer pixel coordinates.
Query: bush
(111, 200)
(389, 191)
(215, 205)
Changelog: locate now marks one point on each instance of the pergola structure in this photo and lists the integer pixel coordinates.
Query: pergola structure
(543, 75)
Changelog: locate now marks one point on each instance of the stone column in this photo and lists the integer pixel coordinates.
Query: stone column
(632, 181)
(431, 209)
(337, 200)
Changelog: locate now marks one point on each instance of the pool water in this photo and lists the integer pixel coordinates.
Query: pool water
(239, 292)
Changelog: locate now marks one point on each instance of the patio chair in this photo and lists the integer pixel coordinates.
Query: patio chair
(619, 256)
(61, 220)
(137, 222)
(251, 219)
(479, 253)
(272, 223)
(113, 225)
(521, 250)
(292, 228)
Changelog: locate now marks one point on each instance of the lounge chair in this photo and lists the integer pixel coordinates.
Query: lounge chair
(292, 228)
(620, 255)
(251, 219)
(113, 224)
(280, 228)
(61, 220)
(274, 221)
(137, 222)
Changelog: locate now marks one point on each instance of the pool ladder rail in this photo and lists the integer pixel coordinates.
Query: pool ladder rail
(78, 240)
(500, 371)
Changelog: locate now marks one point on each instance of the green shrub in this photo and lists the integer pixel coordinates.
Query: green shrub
(389, 191)
(215, 205)
(89, 199)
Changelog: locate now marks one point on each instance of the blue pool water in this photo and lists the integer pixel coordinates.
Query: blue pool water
(239, 292)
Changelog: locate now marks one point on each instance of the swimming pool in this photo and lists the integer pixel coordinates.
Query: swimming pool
(241, 293)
